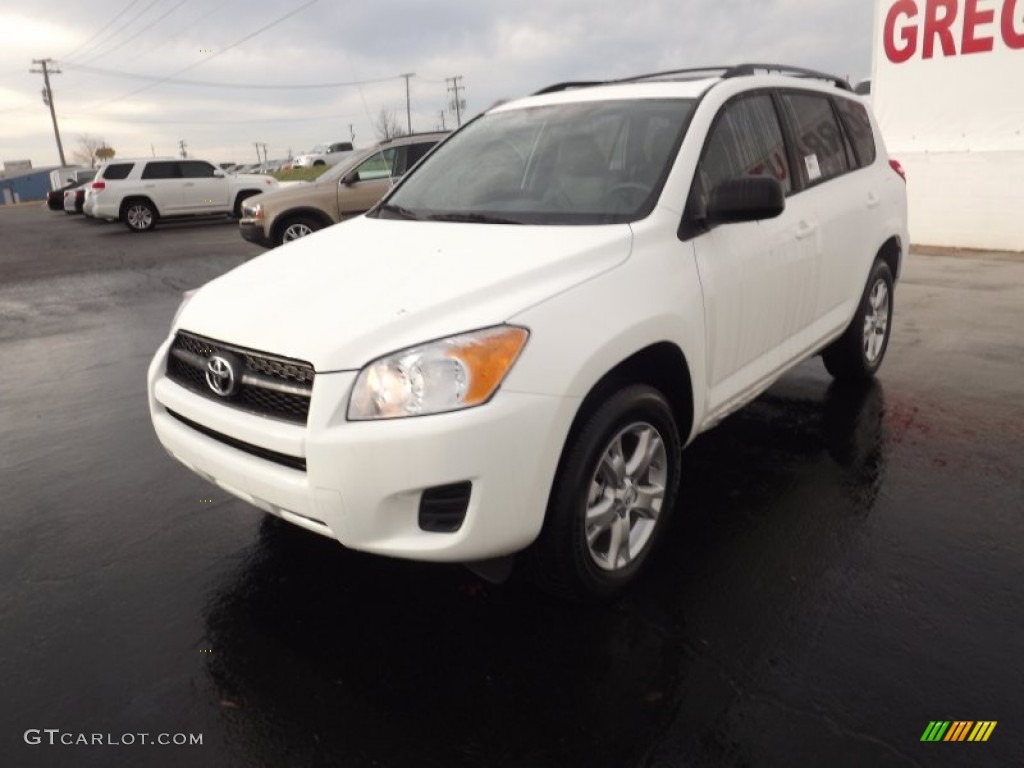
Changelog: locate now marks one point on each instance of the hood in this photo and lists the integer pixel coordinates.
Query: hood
(296, 191)
(361, 289)
(256, 178)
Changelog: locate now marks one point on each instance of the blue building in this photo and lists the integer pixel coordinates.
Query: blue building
(25, 186)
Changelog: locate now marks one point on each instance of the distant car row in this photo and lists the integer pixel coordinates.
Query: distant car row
(140, 192)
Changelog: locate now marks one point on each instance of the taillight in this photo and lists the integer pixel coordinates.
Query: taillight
(101, 185)
(895, 165)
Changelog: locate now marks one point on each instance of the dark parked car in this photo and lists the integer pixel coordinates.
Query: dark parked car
(55, 197)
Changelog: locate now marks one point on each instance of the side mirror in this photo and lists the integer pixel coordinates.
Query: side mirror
(218, 173)
(749, 198)
(350, 178)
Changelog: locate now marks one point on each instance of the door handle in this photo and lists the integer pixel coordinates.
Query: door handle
(149, 186)
(804, 230)
(189, 184)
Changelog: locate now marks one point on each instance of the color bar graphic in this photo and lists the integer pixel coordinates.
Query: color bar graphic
(958, 730)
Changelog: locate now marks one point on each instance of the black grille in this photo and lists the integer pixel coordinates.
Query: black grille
(294, 462)
(263, 379)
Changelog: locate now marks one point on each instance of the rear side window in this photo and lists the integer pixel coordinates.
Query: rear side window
(118, 171)
(821, 148)
(158, 170)
(746, 141)
(858, 126)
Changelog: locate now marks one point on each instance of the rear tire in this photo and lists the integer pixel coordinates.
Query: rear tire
(612, 498)
(858, 353)
(139, 215)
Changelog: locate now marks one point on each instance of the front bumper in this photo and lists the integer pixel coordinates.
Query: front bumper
(364, 480)
(252, 231)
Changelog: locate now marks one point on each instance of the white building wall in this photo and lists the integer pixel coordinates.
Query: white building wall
(948, 90)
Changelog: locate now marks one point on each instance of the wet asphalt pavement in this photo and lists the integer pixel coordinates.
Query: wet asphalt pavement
(845, 566)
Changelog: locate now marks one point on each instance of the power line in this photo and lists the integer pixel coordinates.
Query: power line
(117, 31)
(99, 31)
(48, 100)
(206, 84)
(235, 44)
(134, 35)
(176, 35)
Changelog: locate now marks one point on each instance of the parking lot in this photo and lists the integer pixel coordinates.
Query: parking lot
(844, 567)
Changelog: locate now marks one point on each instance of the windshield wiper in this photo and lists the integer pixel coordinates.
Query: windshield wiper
(399, 211)
(474, 218)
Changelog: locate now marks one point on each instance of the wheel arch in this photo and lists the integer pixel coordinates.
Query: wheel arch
(661, 365)
(129, 199)
(891, 253)
(282, 219)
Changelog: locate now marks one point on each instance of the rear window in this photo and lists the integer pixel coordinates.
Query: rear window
(117, 171)
(858, 126)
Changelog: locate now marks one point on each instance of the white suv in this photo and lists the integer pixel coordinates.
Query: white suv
(510, 351)
(141, 191)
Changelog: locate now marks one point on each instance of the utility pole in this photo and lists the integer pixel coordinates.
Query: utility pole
(458, 104)
(352, 133)
(408, 112)
(265, 158)
(182, 145)
(152, 149)
(443, 126)
(48, 100)
(257, 145)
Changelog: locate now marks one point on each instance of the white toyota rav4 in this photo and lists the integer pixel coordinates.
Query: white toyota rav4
(508, 354)
(139, 192)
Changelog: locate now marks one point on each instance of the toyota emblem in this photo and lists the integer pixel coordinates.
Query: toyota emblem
(221, 376)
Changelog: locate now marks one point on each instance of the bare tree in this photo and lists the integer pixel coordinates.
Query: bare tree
(87, 148)
(105, 153)
(387, 126)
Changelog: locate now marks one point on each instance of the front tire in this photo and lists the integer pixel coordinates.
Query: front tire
(139, 215)
(612, 498)
(296, 227)
(858, 353)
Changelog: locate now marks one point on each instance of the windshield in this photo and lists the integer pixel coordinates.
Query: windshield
(583, 163)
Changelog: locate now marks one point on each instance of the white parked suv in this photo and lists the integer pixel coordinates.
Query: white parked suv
(508, 354)
(140, 192)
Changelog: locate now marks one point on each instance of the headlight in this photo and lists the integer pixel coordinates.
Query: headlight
(186, 297)
(252, 211)
(446, 375)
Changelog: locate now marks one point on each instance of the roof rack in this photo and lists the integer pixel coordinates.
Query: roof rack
(741, 70)
(738, 70)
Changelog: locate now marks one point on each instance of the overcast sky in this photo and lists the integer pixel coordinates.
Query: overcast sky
(113, 55)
